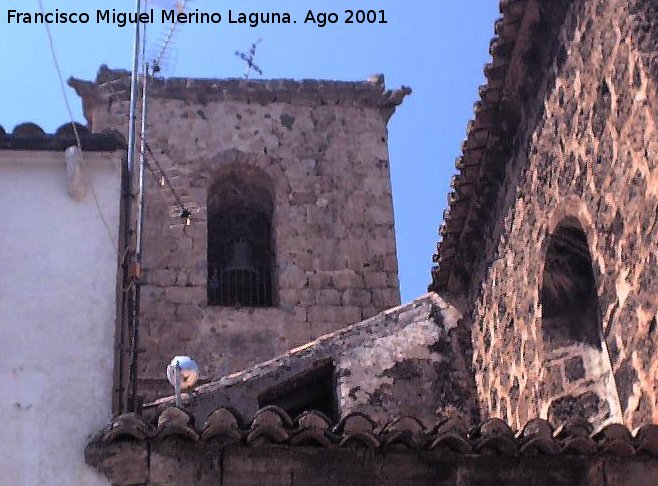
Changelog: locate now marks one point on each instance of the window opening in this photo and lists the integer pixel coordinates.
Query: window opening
(240, 250)
(312, 390)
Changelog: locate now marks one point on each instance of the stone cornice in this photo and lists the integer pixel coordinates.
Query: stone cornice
(114, 85)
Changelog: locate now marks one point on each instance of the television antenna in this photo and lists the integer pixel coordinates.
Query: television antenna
(142, 68)
(184, 213)
(163, 50)
(248, 58)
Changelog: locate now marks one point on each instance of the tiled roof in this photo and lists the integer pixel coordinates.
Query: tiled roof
(271, 425)
(480, 166)
(30, 136)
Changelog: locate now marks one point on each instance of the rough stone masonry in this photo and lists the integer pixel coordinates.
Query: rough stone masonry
(315, 155)
(562, 262)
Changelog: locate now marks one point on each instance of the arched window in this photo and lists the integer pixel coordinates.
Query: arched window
(570, 308)
(240, 249)
(577, 375)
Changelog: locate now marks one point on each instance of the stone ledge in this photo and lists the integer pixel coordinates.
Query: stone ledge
(114, 85)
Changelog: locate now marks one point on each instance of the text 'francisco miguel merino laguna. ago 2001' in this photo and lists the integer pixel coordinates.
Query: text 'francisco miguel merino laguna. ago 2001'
(253, 19)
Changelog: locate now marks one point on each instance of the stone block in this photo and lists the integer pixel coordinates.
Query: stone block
(392, 280)
(356, 297)
(160, 277)
(368, 312)
(375, 279)
(302, 198)
(320, 280)
(384, 298)
(334, 313)
(172, 462)
(185, 295)
(151, 296)
(328, 297)
(188, 312)
(291, 297)
(345, 279)
(318, 329)
(124, 463)
(162, 310)
(390, 262)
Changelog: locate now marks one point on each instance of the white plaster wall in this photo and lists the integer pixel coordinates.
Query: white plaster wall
(57, 316)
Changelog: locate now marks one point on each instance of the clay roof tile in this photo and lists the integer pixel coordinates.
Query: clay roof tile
(273, 416)
(223, 423)
(129, 425)
(272, 425)
(452, 442)
(174, 422)
(646, 440)
(355, 422)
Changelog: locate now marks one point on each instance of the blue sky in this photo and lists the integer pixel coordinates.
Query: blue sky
(437, 47)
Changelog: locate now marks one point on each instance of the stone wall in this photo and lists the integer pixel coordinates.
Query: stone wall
(172, 462)
(319, 151)
(404, 361)
(585, 151)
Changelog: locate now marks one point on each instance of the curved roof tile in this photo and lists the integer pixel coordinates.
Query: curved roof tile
(30, 136)
(272, 425)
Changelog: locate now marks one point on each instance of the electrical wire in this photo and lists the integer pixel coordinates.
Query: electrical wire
(179, 201)
(53, 53)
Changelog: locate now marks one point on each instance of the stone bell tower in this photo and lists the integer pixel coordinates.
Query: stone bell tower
(290, 233)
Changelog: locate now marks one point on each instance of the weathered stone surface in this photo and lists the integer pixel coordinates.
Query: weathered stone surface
(125, 462)
(581, 91)
(404, 361)
(323, 170)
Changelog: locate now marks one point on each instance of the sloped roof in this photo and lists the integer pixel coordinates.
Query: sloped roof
(518, 43)
(243, 389)
(30, 136)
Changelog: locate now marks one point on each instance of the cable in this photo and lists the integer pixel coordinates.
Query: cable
(166, 180)
(178, 199)
(53, 53)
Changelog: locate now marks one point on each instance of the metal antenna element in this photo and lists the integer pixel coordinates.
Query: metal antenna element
(249, 59)
(168, 39)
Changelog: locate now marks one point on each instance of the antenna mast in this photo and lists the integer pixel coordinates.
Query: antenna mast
(131, 312)
(134, 269)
